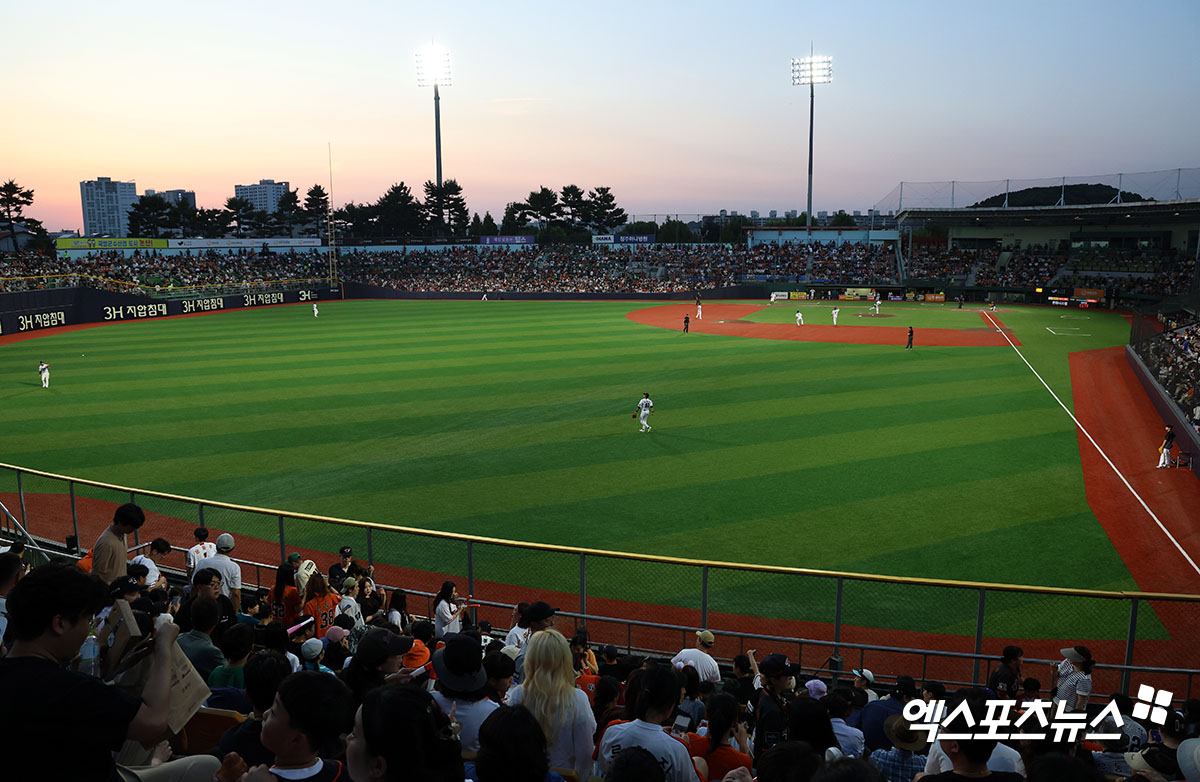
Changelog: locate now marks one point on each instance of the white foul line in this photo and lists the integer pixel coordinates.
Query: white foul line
(1099, 450)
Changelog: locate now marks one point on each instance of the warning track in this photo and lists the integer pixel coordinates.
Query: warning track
(670, 316)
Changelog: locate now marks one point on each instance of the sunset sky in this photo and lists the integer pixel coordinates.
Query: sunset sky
(680, 108)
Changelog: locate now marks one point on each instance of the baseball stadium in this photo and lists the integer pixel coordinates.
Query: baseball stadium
(814, 481)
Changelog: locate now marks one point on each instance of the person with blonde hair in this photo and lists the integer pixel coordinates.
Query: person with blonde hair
(549, 692)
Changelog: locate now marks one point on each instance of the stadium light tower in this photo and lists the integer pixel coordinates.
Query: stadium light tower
(433, 69)
(811, 70)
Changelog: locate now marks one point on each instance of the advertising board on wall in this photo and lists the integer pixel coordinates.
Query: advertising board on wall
(506, 239)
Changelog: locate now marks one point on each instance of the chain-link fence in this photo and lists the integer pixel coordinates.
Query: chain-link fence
(830, 621)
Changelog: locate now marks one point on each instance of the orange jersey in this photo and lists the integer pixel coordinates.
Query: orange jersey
(324, 610)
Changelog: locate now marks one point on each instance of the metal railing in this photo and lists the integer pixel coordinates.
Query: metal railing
(953, 626)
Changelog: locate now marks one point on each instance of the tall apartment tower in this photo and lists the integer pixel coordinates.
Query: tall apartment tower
(175, 196)
(106, 206)
(265, 195)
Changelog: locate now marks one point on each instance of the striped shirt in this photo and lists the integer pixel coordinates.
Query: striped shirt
(1072, 683)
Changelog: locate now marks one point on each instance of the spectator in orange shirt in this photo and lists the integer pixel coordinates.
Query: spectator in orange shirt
(419, 654)
(320, 603)
(284, 598)
(714, 747)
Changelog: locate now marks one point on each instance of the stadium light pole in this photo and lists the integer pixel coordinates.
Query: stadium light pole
(433, 70)
(811, 70)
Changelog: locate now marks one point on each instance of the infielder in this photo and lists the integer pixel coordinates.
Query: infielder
(699, 311)
(835, 312)
(314, 309)
(644, 408)
(44, 371)
(799, 318)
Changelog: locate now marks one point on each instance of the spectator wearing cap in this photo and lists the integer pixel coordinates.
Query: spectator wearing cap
(109, 554)
(337, 647)
(156, 553)
(202, 550)
(560, 708)
(294, 560)
(699, 658)
(461, 686)
(540, 616)
(934, 691)
(778, 682)
(1074, 678)
(59, 724)
(901, 762)
(349, 605)
(1188, 757)
(312, 652)
(609, 665)
(447, 614)
(1004, 680)
(863, 681)
(231, 572)
(379, 654)
(875, 714)
(345, 567)
(659, 694)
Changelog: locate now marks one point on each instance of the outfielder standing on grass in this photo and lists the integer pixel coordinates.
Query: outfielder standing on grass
(44, 371)
(644, 408)
(314, 309)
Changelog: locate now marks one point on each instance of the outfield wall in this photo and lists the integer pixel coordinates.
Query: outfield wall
(25, 311)
(1185, 436)
(358, 290)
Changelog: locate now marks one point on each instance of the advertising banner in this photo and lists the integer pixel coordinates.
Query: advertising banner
(111, 244)
(249, 244)
(935, 297)
(602, 239)
(506, 239)
(1095, 294)
(634, 239)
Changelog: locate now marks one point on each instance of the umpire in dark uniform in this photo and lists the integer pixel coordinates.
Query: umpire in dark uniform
(910, 335)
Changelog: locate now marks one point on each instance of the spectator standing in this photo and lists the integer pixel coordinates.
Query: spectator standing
(320, 603)
(447, 616)
(770, 707)
(156, 553)
(540, 616)
(461, 686)
(109, 554)
(345, 567)
(1004, 680)
(202, 550)
(714, 747)
(68, 724)
(284, 598)
(231, 572)
(699, 658)
(900, 763)
(400, 735)
(560, 708)
(655, 704)
(1074, 678)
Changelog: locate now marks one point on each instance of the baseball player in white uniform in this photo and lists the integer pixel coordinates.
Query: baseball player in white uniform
(644, 408)
(699, 311)
(876, 305)
(835, 312)
(799, 318)
(314, 309)
(44, 371)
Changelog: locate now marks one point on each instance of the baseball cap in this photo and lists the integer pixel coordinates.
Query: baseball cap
(311, 649)
(906, 686)
(937, 689)
(348, 582)
(294, 557)
(540, 612)
(816, 688)
(1188, 757)
(346, 551)
(459, 664)
(865, 673)
(1076, 654)
(123, 585)
(1155, 758)
(610, 652)
(224, 542)
(335, 634)
(706, 637)
(378, 644)
(776, 665)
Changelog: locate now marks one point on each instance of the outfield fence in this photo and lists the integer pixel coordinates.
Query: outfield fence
(830, 620)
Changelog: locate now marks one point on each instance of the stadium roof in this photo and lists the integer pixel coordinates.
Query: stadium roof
(1157, 212)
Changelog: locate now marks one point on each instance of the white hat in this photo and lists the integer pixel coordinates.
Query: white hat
(311, 649)
(865, 673)
(224, 542)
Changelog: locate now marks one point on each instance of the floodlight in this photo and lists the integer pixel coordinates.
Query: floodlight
(433, 66)
(812, 70)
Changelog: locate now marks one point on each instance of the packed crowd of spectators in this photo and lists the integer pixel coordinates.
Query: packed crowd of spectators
(1174, 358)
(326, 676)
(927, 264)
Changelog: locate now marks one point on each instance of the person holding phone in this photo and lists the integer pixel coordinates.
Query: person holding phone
(447, 615)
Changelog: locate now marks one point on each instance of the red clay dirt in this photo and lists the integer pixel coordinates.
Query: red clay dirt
(670, 316)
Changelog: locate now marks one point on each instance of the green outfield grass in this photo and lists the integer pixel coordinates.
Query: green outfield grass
(512, 419)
